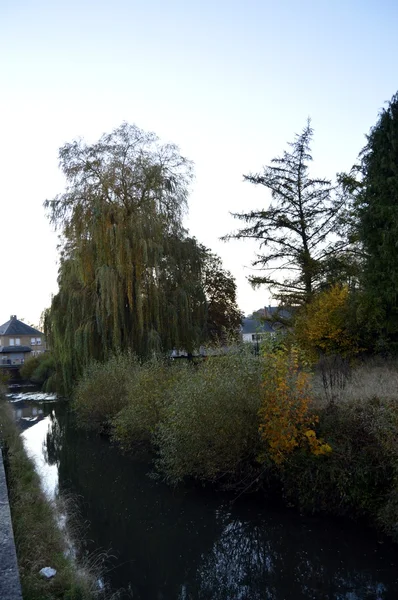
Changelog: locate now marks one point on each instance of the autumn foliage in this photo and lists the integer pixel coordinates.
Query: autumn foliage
(322, 327)
(287, 422)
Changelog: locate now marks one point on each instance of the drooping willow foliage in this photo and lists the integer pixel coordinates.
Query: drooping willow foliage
(129, 277)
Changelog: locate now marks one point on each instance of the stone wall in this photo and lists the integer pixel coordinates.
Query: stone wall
(10, 588)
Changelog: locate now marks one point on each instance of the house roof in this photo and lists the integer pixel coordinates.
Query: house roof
(16, 327)
(282, 312)
(255, 326)
(12, 349)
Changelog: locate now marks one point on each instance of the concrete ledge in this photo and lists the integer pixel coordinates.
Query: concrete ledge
(10, 587)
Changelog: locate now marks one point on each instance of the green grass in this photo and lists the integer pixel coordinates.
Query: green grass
(39, 542)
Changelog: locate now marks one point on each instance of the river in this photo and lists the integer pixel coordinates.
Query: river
(157, 543)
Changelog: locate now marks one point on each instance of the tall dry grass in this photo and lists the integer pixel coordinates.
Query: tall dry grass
(356, 382)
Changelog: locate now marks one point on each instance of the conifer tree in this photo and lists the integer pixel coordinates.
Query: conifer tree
(377, 214)
(295, 232)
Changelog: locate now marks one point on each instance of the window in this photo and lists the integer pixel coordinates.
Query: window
(33, 341)
(38, 341)
(12, 342)
(17, 341)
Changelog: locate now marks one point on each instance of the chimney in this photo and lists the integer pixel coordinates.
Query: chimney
(13, 318)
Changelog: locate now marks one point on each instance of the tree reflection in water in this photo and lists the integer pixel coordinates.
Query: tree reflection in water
(262, 561)
(52, 447)
(175, 544)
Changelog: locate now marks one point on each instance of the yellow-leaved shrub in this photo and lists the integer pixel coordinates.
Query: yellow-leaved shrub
(286, 419)
(323, 325)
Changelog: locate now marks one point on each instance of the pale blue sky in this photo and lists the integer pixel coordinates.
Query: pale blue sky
(229, 82)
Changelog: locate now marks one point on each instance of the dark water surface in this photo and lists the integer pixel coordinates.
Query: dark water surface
(178, 545)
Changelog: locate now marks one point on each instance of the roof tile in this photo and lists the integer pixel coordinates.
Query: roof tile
(16, 327)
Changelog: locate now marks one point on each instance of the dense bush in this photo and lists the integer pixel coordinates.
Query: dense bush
(40, 369)
(228, 419)
(29, 367)
(325, 325)
(359, 477)
(4, 378)
(149, 392)
(287, 421)
(202, 419)
(210, 429)
(102, 391)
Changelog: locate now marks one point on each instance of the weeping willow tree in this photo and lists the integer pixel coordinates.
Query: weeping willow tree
(129, 277)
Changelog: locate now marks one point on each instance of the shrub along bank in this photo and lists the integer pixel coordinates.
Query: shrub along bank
(245, 422)
(40, 370)
(39, 542)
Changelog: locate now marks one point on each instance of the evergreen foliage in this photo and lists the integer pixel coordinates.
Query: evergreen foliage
(295, 231)
(377, 212)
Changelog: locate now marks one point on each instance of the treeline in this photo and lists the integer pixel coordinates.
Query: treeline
(132, 279)
(329, 251)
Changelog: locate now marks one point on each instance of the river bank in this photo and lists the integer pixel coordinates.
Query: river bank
(156, 541)
(324, 443)
(38, 539)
